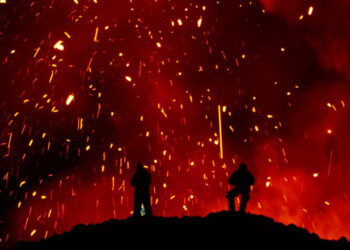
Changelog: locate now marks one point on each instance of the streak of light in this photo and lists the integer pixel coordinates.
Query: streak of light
(80, 123)
(96, 34)
(163, 112)
(220, 132)
(36, 52)
(33, 232)
(311, 9)
(199, 22)
(330, 162)
(67, 35)
(9, 146)
(70, 98)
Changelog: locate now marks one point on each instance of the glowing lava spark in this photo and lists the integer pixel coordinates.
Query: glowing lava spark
(220, 132)
(70, 98)
(59, 45)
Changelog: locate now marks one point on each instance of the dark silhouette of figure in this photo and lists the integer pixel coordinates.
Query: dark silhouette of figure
(141, 181)
(242, 179)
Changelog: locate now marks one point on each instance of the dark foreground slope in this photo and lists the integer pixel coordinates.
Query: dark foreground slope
(222, 230)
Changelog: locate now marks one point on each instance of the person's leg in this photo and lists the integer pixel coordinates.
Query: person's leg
(147, 204)
(231, 199)
(244, 201)
(137, 205)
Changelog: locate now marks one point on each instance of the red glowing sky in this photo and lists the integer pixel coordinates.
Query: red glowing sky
(89, 88)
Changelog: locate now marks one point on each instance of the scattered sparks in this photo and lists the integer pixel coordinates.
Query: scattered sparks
(165, 117)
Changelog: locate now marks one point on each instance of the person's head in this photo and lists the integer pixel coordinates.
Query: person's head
(139, 166)
(242, 167)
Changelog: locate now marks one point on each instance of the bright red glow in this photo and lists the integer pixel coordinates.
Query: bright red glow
(190, 89)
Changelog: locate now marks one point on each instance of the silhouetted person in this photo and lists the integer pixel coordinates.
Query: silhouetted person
(141, 181)
(242, 179)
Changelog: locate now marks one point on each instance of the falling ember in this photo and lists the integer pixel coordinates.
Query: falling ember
(128, 78)
(199, 22)
(33, 232)
(59, 45)
(96, 34)
(220, 132)
(329, 131)
(311, 9)
(159, 45)
(70, 98)
(67, 35)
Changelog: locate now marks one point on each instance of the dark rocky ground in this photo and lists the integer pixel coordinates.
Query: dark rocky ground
(221, 230)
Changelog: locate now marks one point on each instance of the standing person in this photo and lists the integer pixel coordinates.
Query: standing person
(141, 181)
(242, 179)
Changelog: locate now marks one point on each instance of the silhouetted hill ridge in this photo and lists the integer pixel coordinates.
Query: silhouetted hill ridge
(222, 230)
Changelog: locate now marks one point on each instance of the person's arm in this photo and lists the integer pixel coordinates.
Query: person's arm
(232, 178)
